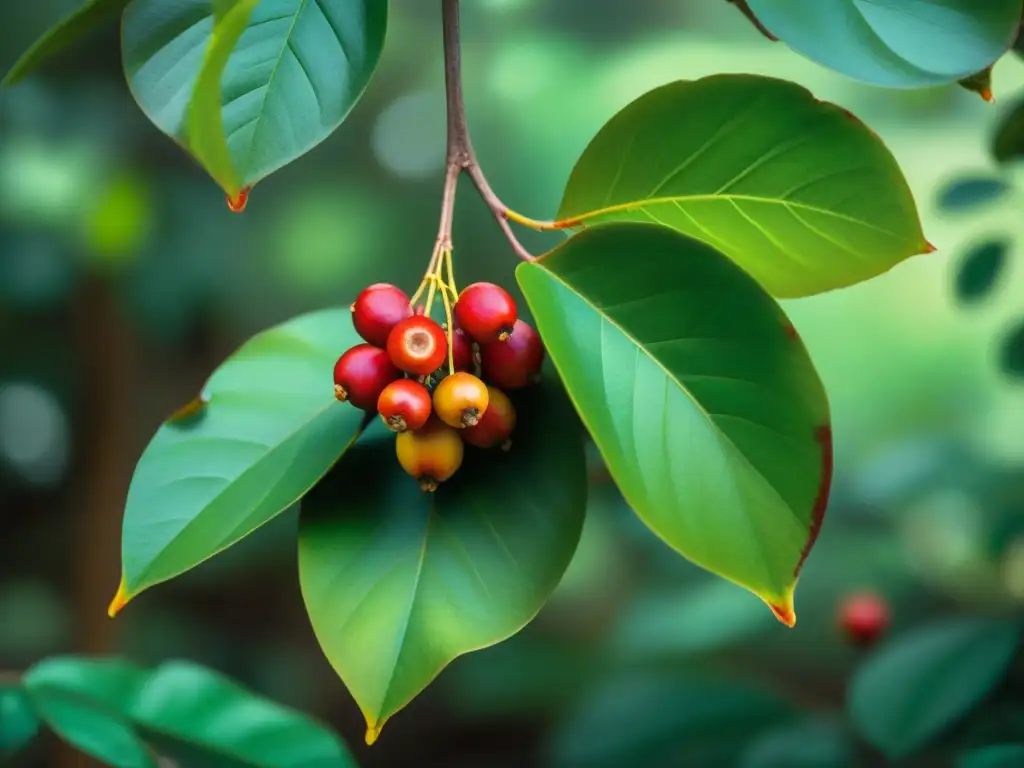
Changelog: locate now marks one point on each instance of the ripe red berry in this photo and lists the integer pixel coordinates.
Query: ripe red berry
(462, 351)
(496, 425)
(486, 312)
(377, 310)
(404, 404)
(417, 345)
(431, 455)
(361, 374)
(460, 400)
(864, 618)
(515, 363)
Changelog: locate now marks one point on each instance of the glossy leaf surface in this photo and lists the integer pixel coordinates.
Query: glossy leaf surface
(698, 393)
(64, 34)
(895, 43)
(798, 192)
(907, 692)
(398, 583)
(265, 429)
(295, 72)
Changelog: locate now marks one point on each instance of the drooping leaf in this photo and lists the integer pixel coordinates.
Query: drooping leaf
(64, 34)
(1011, 355)
(82, 701)
(19, 724)
(664, 721)
(973, 192)
(798, 192)
(293, 75)
(265, 428)
(207, 138)
(909, 691)
(698, 393)
(995, 756)
(896, 43)
(182, 702)
(399, 583)
(980, 269)
(1008, 143)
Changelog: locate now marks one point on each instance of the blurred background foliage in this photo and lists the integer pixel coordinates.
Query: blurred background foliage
(124, 280)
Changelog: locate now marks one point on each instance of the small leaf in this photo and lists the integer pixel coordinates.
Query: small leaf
(898, 43)
(980, 270)
(996, 756)
(291, 76)
(698, 393)
(661, 721)
(1008, 144)
(798, 192)
(271, 427)
(398, 583)
(909, 691)
(82, 701)
(64, 34)
(1011, 357)
(18, 722)
(972, 192)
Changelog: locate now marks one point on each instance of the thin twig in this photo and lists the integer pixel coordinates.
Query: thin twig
(461, 156)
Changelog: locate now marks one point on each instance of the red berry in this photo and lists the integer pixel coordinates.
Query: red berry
(864, 618)
(462, 351)
(417, 345)
(496, 425)
(486, 312)
(361, 374)
(377, 310)
(404, 404)
(514, 363)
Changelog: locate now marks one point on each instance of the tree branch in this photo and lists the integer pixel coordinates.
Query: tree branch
(461, 156)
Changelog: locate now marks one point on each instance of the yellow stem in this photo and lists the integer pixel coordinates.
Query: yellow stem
(526, 221)
(451, 275)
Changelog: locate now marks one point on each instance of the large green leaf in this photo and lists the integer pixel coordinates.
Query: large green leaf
(798, 192)
(399, 583)
(18, 723)
(266, 429)
(909, 691)
(180, 702)
(82, 701)
(995, 756)
(895, 43)
(698, 393)
(294, 74)
(63, 34)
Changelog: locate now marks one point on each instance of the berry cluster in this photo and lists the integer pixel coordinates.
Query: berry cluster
(427, 381)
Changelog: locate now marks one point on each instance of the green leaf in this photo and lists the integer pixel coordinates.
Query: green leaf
(895, 43)
(264, 430)
(291, 78)
(399, 583)
(207, 138)
(18, 722)
(980, 269)
(996, 756)
(63, 34)
(1011, 354)
(183, 702)
(812, 743)
(1008, 143)
(698, 393)
(82, 702)
(909, 691)
(797, 191)
(972, 192)
(663, 721)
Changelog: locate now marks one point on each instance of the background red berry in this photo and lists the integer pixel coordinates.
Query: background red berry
(486, 312)
(516, 362)
(417, 345)
(361, 374)
(462, 351)
(377, 310)
(864, 618)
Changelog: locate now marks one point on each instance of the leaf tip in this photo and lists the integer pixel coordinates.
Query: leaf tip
(785, 612)
(238, 201)
(929, 248)
(193, 408)
(373, 729)
(987, 95)
(120, 599)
